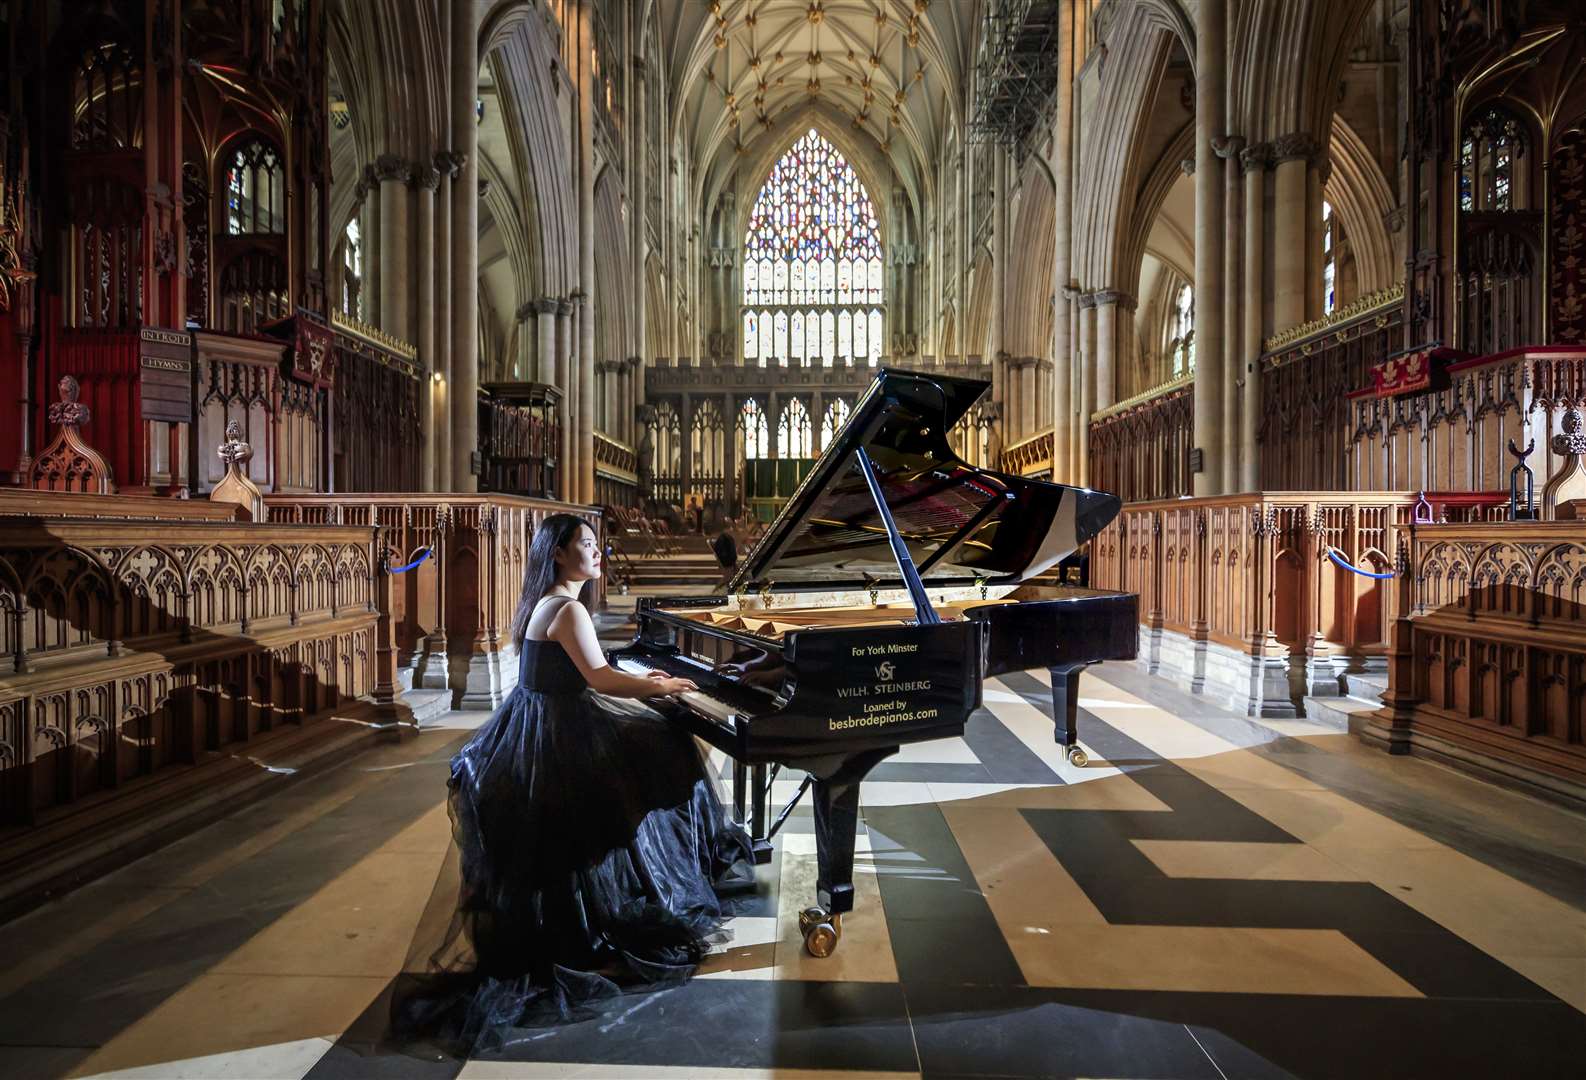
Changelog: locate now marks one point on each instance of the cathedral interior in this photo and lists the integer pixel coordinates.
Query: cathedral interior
(311, 311)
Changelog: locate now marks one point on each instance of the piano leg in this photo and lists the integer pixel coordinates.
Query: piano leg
(836, 800)
(1065, 709)
(757, 824)
(740, 787)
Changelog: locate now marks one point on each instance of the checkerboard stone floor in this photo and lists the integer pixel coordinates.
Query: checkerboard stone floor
(1212, 896)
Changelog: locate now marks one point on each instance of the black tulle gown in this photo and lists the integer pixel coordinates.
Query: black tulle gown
(592, 857)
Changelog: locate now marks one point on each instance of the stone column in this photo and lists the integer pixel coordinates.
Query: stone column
(1086, 357)
(1063, 371)
(425, 180)
(584, 456)
(1233, 316)
(545, 354)
(1029, 367)
(641, 233)
(369, 229)
(1062, 276)
(465, 247)
(729, 452)
(1211, 46)
(999, 277)
(1314, 304)
(564, 371)
(817, 414)
(449, 165)
(394, 173)
(685, 459)
(525, 338)
(1253, 161)
(1107, 303)
(1290, 230)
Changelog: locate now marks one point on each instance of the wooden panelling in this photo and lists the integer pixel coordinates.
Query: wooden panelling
(134, 646)
(460, 600)
(1489, 656)
(1252, 572)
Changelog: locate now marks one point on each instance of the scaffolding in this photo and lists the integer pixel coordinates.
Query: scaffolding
(1016, 70)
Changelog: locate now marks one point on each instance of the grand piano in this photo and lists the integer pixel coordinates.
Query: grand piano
(888, 588)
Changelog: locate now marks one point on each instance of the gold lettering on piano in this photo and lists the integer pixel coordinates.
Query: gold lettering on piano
(874, 689)
(884, 713)
(885, 650)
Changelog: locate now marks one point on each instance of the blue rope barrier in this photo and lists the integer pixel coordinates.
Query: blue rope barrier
(411, 565)
(1332, 553)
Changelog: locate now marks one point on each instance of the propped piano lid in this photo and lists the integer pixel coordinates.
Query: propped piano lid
(961, 523)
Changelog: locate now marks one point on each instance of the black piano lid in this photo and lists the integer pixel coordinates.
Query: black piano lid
(961, 523)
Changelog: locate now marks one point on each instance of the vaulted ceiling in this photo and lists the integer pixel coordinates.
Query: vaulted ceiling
(743, 71)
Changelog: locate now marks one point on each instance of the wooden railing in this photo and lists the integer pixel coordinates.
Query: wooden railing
(1252, 573)
(1457, 437)
(458, 602)
(1031, 456)
(616, 472)
(1488, 664)
(1139, 448)
(150, 656)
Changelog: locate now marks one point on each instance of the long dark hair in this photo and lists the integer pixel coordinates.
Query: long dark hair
(539, 571)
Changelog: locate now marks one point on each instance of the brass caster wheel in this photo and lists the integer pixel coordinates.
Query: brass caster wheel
(821, 932)
(1077, 757)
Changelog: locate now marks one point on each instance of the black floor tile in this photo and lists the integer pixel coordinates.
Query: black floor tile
(964, 952)
(1336, 1038)
(1009, 1031)
(1004, 754)
(751, 1024)
(919, 867)
(1442, 964)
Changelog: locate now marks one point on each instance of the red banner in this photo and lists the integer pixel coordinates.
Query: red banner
(309, 355)
(1412, 372)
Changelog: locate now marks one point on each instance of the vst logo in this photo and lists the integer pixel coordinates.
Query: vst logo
(884, 671)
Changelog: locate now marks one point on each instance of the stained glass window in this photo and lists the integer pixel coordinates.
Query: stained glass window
(836, 416)
(1492, 169)
(1329, 276)
(756, 440)
(813, 243)
(255, 190)
(793, 432)
(1182, 346)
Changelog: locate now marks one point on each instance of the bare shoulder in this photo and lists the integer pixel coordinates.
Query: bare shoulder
(571, 613)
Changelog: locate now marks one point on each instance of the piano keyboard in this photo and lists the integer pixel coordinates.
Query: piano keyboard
(714, 708)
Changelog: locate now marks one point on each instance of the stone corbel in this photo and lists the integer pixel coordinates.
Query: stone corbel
(1187, 166)
(392, 167)
(1295, 146)
(1255, 156)
(1115, 296)
(1227, 146)
(424, 175)
(450, 162)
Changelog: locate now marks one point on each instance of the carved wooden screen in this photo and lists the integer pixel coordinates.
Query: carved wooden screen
(1308, 424)
(377, 426)
(1498, 290)
(1143, 453)
(1567, 228)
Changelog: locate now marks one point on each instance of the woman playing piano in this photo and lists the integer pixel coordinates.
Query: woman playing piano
(591, 847)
